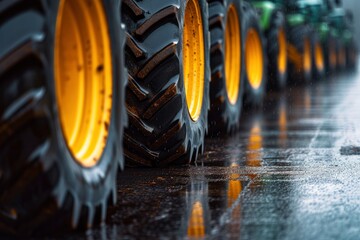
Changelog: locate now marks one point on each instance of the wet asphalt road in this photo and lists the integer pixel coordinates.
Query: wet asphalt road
(292, 172)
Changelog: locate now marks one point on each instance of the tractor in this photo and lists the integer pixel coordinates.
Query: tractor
(273, 25)
(293, 41)
(341, 23)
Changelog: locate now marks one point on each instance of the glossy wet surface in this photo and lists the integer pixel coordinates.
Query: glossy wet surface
(292, 172)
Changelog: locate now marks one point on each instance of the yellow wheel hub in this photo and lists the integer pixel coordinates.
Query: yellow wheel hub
(254, 58)
(193, 58)
(319, 57)
(307, 55)
(83, 78)
(232, 54)
(282, 58)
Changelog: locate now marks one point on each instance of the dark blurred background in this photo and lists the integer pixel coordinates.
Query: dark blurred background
(354, 6)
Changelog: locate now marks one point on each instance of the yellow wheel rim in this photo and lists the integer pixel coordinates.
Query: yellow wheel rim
(193, 58)
(319, 57)
(83, 78)
(254, 58)
(232, 54)
(282, 58)
(307, 55)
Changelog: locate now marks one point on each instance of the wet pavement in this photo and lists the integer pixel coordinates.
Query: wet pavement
(292, 172)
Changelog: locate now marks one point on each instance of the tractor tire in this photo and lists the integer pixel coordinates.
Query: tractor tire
(318, 61)
(330, 55)
(340, 56)
(227, 68)
(255, 57)
(276, 51)
(300, 54)
(46, 183)
(167, 98)
(351, 56)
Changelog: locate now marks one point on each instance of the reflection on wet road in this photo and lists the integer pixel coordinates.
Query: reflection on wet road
(282, 176)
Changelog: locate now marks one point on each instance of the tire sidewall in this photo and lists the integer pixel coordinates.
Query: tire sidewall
(298, 35)
(195, 130)
(235, 109)
(88, 184)
(277, 23)
(318, 74)
(330, 47)
(308, 74)
(251, 21)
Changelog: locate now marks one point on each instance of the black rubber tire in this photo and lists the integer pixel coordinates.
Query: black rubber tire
(277, 80)
(351, 55)
(318, 73)
(340, 56)
(42, 188)
(250, 20)
(296, 39)
(223, 116)
(329, 47)
(160, 131)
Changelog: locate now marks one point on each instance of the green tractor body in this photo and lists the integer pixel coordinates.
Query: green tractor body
(342, 29)
(316, 16)
(272, 23)
(341, 25)
(265, 9)
(292, 9)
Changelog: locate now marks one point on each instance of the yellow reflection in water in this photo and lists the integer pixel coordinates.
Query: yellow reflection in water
(254, 154)
(196, 226)
(282, 124)
(233, 193)
(234, 186)
(307, 100)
